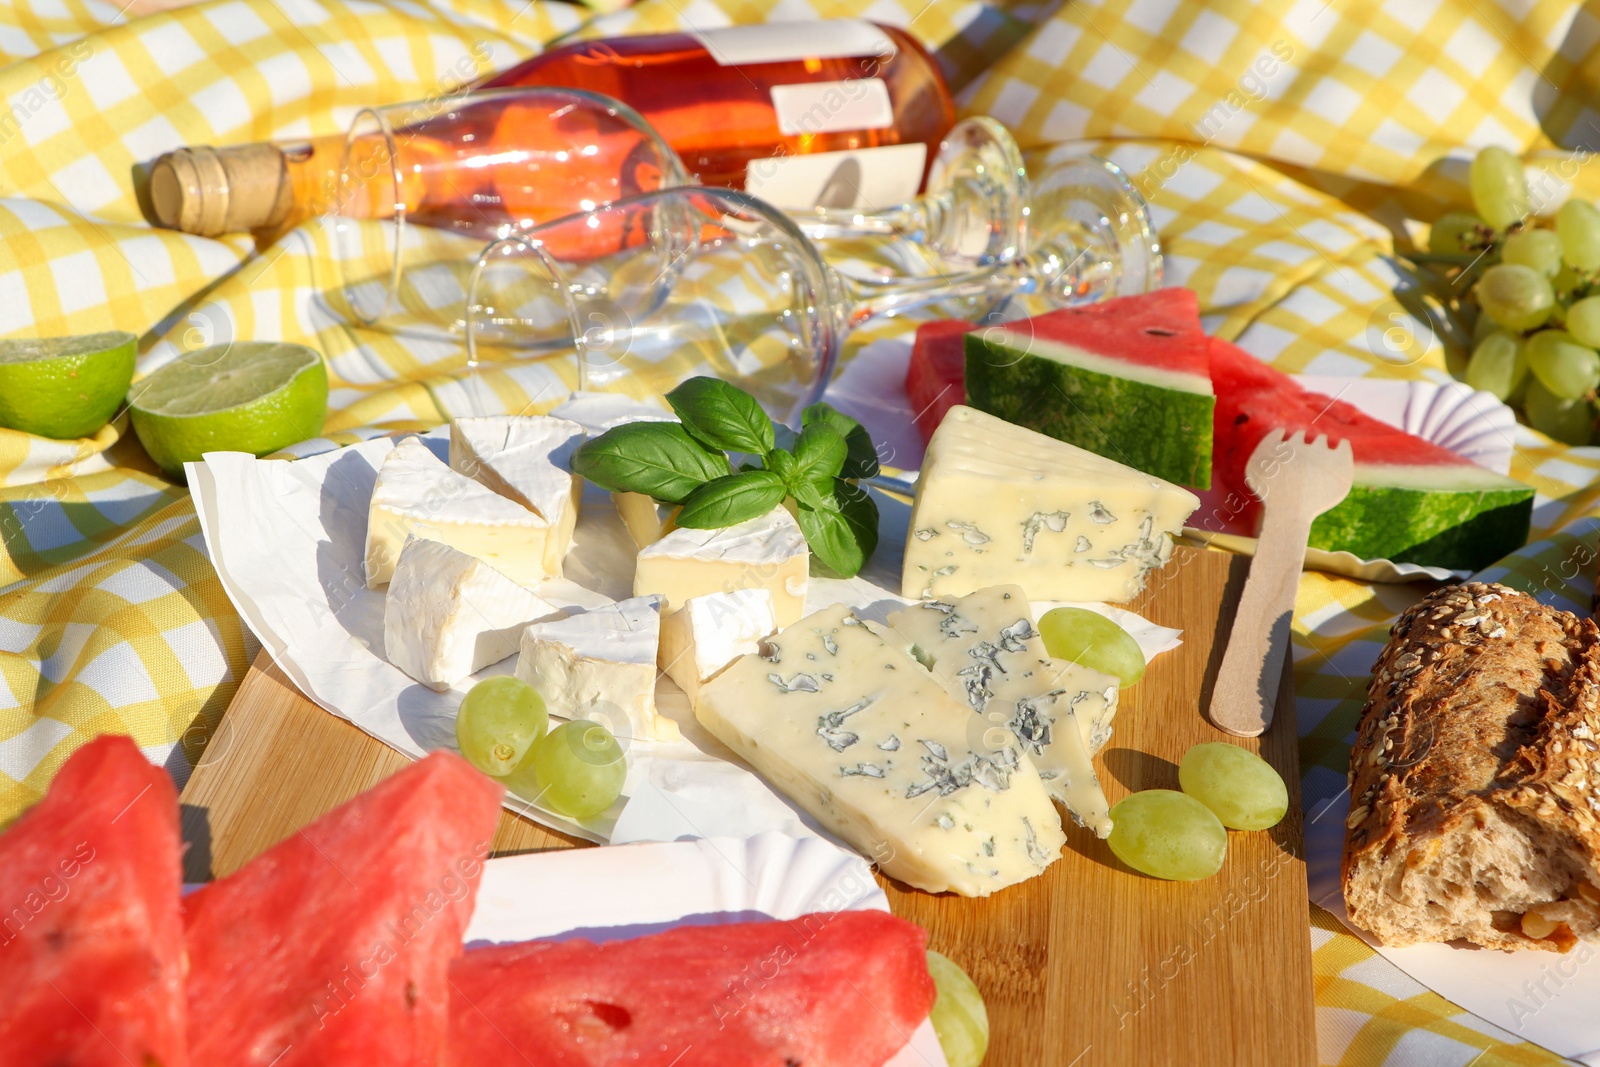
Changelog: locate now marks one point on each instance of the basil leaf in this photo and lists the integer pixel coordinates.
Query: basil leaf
(731, 499)
(722, 416)
(810, 495)
(862, 461)
(844, 532)
(658, 459)
(819, 453)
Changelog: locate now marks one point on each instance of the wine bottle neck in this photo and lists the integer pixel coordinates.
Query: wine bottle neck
(211, 191)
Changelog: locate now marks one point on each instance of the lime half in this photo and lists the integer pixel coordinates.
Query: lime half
(250, 396)
(64, 387)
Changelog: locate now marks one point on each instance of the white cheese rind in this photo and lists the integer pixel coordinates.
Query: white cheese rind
(600, 665)
(986, 652)
(765, 553)
(599, 412)
(417, 495)
(528, 459)
(855, 732)
(448, 615)
(709, 632)
(999, 504)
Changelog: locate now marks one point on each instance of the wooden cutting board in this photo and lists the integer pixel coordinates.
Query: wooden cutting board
(1091, 964)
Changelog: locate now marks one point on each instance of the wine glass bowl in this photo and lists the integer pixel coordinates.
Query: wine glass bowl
(423, 185)
(709, 281)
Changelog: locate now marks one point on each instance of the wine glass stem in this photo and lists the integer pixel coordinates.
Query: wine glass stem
(920, 221)
(988, 288)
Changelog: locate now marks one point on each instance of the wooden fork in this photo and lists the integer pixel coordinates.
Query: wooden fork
(1297, 480)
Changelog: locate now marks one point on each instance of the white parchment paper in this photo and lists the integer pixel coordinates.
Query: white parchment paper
(288, 542)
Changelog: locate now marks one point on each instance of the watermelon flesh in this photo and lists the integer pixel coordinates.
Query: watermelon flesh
(825, 990)
(1126, 378)
(91, 946)
(332, 947)
(1412, 502)
(936, 377)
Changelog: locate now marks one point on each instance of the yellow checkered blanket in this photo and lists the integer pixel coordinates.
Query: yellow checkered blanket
(1289, 148)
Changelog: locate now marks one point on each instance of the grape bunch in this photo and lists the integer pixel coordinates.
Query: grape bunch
(1537, 293)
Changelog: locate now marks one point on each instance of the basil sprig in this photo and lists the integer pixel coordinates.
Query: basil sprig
(686, 462)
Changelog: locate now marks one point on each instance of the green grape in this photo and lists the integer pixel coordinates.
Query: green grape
(1538, 249)
(1578, 224)
(577, 770)
(1516, 297)
(1483, 327)
(1562, 365)
(1089, 638)
(1497, 365)
(960, 1018)
(499, 720)
(1499, 187)
(1567, 421)
(1167, 834)
(1583, 321)
(1457, 233)
(1240, 787)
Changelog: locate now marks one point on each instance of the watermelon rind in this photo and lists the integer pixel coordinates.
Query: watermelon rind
(1393, 513)
(1154, 421)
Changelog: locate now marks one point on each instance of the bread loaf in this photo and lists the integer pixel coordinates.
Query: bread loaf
(1474, 810)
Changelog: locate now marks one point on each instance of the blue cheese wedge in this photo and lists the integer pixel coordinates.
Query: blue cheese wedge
(854, 731)
(983, 648)
(600, 665)
(526, 458)
(998, 504)
(709, 632)
(448, 615)
(417, 495)
(764, 553)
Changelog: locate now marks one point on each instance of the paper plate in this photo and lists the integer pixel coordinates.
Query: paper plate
(595, 893)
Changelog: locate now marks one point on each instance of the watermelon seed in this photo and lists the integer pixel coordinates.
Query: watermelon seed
(1157, 331)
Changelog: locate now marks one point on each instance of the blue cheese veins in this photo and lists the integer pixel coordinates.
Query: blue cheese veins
(983, 648)
(998, 504)
(880, 753)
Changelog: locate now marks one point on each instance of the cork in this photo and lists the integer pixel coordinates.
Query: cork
(212, 191)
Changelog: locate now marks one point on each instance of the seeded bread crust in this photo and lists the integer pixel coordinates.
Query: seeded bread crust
(1474, 811)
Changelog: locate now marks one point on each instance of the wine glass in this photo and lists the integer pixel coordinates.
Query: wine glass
(711, 281)
(1078, 229)
(423, 185)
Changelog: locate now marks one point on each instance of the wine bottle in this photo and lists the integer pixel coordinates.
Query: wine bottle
(835, 113)
(483, 164)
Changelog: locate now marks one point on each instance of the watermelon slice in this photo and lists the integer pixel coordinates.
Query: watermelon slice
(332, 947)
(936, 377)
(1413, 501)
(91, 943)
(1127, 378)
(844, 989)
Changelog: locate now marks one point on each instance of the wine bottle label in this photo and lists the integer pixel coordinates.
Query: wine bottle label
(856, 178)
(825, 107)
(777, 42)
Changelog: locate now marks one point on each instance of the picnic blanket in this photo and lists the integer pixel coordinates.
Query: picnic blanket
(1292, 151)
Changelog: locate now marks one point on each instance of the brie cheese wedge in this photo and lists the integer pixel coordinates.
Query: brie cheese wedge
(417, 495)
(709, 632)
(764, 553)
(448, 615)
(600, 665)
(526, 458)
